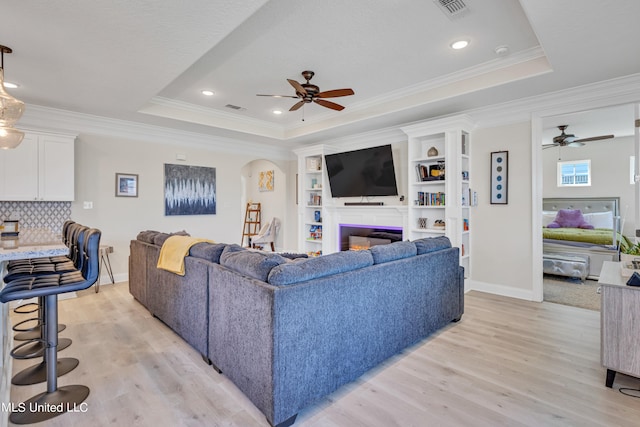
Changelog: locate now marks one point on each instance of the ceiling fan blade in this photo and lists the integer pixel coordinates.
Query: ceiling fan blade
(298, 87)
(279, 96)
(594, 138)
(296, 106)
(335, 93)
(329, 104)
(544, 147)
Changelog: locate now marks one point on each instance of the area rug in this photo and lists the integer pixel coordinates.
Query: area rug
(573, 292)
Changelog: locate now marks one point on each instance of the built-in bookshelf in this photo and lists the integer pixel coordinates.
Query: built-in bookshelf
(312, 193)
(440, 194)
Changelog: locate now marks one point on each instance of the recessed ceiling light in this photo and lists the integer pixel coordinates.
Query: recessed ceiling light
(10, 85)
(277, 111)
(208, 92)
(502, 50)
(459, 44)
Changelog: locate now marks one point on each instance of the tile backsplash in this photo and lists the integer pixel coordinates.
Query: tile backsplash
(49, 215)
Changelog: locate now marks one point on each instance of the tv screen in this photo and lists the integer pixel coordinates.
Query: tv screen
(366, 172)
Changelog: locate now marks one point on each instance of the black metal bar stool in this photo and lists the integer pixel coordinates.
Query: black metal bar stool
(35, 346)
(37, 342)
(69, 233)
(49, 287)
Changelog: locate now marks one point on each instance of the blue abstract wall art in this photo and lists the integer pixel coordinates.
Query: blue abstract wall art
(189, 190)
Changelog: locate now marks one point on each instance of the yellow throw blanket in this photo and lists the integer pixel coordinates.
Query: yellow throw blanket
(173, 251)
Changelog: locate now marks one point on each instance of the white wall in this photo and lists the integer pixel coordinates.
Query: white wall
(609, 174)
(501, 245)
(98, 158)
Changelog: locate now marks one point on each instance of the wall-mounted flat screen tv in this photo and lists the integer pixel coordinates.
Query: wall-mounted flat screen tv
(359, 173)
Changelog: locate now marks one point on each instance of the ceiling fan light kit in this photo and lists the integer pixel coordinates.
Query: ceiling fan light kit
(308, 92)
(11, 110)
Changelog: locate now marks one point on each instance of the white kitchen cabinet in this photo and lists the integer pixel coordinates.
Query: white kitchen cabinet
(41, 168)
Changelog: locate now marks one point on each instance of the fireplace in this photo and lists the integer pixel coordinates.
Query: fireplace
(358, 237)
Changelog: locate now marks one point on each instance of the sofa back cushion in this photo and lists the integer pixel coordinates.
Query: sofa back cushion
(208, 251)
(393, 251)
(302, 270)
(432, 244)
(160, 238)
(253, 264)
(147, 236)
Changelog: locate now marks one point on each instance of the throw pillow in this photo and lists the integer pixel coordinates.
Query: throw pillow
(569, 218)
(600, 219)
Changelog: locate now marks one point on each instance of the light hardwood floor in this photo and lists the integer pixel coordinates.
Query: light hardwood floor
(506, 363)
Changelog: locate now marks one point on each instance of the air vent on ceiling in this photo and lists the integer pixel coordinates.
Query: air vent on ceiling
(452, 8)
(235, 107)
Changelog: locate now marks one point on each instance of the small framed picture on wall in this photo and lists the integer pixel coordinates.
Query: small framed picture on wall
(126, 185)
(499, 177)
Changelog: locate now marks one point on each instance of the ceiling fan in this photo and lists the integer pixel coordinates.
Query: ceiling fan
(570, 140)
(308, 93)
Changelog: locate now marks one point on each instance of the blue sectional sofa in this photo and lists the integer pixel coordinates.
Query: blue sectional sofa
(290, 332)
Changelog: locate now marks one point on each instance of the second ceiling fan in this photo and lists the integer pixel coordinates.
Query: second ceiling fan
(308, 93)
(570, 140)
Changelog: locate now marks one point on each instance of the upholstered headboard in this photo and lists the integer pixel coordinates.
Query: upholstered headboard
(585, 204)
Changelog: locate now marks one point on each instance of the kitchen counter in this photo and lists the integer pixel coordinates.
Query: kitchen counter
(32, 243)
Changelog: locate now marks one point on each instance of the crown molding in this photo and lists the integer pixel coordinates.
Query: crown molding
(179, 110)
(68, 122)
(500, 64)
(517, 66)
(621, 90)
(466, 81)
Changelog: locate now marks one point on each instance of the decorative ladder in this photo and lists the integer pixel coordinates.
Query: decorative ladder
(251, 225)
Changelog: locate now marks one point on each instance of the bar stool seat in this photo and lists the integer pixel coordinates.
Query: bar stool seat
(40, 270)
(49, 287)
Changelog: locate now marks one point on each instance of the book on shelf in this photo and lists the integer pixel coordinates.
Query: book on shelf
(431, 199)
(315, 199)
(429, 172)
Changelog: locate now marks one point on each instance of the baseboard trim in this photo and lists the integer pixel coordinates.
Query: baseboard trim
(502, 290)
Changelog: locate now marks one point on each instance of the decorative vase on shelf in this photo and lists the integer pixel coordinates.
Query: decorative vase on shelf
(432, 152)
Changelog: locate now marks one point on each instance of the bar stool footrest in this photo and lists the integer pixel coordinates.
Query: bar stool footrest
(38, 373)
(32, 335)
(36, 349)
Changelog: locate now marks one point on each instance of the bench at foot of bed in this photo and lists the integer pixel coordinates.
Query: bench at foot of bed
(570, 265)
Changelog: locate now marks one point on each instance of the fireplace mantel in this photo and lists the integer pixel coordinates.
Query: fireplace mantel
(386, 215)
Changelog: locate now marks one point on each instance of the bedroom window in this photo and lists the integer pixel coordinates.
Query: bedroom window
(574, 173)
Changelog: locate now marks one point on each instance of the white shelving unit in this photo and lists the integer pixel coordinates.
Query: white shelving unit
(313, 191)
(440, 187)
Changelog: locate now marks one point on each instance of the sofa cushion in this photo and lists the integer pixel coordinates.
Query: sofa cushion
(313, 268)
(432, 244)
(254, 264)
(160, 238)
(147, 236)
(393, 251)
(208, 251)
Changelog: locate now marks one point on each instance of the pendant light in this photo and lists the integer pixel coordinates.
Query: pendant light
(11, 110)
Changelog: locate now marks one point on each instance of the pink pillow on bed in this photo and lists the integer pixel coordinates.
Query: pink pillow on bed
(572, 218)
